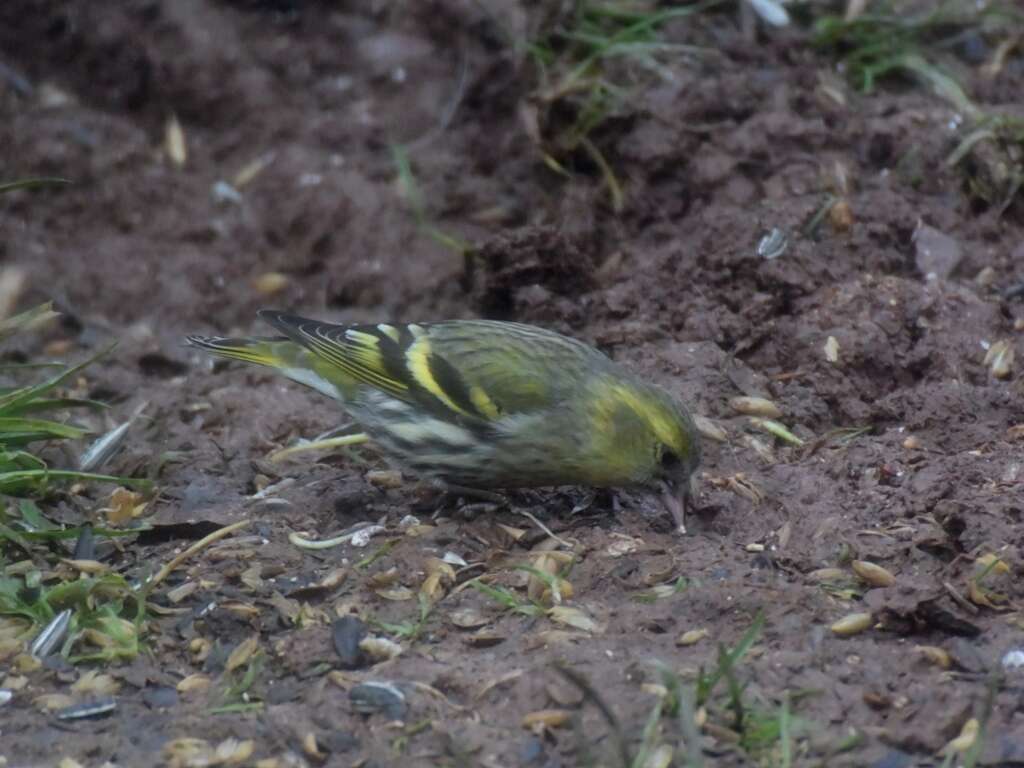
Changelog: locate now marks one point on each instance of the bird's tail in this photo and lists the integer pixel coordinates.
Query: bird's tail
(274, 353)
(284, 355)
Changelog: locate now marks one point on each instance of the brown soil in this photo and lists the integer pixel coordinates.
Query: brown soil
(926, 479)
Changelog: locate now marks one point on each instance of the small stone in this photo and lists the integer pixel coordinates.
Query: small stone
(159, 696)
(347, 633)
(386, 698)
(937, 254)
(1014, 659)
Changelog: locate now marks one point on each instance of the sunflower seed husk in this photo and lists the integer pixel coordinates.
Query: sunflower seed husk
(873, 574)
(756, 406)
(852, 624)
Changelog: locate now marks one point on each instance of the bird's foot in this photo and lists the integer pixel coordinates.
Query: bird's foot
(459, 496)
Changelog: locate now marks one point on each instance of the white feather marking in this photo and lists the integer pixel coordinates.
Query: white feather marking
(432, 429)
(314, 380)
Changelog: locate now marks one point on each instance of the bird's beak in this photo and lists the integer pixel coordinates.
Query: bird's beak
(676, 500)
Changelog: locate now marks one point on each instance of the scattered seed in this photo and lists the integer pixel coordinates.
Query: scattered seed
(453, 559)
(983, 597)
(493, 683)
(182, 591)
(755, 406)
(311, 748)
(777, 429)
(252, 169)
(852, 624)
(991, 563)
(193, 683)
(96, 708)
(999, 358)
(234, 751)
(242, 653)
(51, 636)
(326, 586)
(241, 610)
(188, 752)
(661, 757)
(963, 742)
(873, 574)
(573, 617)
(92, 683)
(710, 429)
(986, 277)
(396, 594)
(385, 478)
(547, 718)
(840, 216)
(692, 637)
(772, 245)
(831, 349)
(1016, 432)
(935, 655)
(104, 448)
(827, 575)
(563, 693)
(515, 533)
(484, 639)
(380, 648)
(742, 486)
(468, 618)
(755, 547)
(174, 141)
(51, 702)
(408, 522)
(270, 283)
(14, 682)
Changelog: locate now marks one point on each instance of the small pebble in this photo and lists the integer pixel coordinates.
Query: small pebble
(347, 633)
(385, 698)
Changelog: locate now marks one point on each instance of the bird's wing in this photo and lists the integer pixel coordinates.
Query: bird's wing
(475, 370)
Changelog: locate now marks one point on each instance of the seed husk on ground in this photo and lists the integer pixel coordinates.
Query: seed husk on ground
(873, 574)
(756, 406)
(852, 624)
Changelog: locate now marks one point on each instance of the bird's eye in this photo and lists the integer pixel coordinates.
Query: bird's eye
(669, 460)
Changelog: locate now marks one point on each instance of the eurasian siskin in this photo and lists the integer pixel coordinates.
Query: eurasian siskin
(481, 404)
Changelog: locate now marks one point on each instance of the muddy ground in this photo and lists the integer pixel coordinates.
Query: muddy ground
(908, 457)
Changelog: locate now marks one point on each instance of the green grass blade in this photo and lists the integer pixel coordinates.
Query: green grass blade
(11, 481)
(43, 181)
(17, 399)
(46, 429)
(26, 319)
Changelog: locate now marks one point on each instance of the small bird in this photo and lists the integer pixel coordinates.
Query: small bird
(482, 404)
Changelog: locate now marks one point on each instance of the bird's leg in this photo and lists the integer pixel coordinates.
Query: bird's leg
(486, 501)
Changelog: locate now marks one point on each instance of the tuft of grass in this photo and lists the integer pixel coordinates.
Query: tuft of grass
(44, 181)
(508, 599)
(236, 694)
(886, 41)
(585, 66)
(991, 156)
(767, 732)
(22, 422)
(409, 629)
(409, 190)
(107, 616)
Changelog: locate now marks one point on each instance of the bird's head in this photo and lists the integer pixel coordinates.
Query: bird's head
(650, 437)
